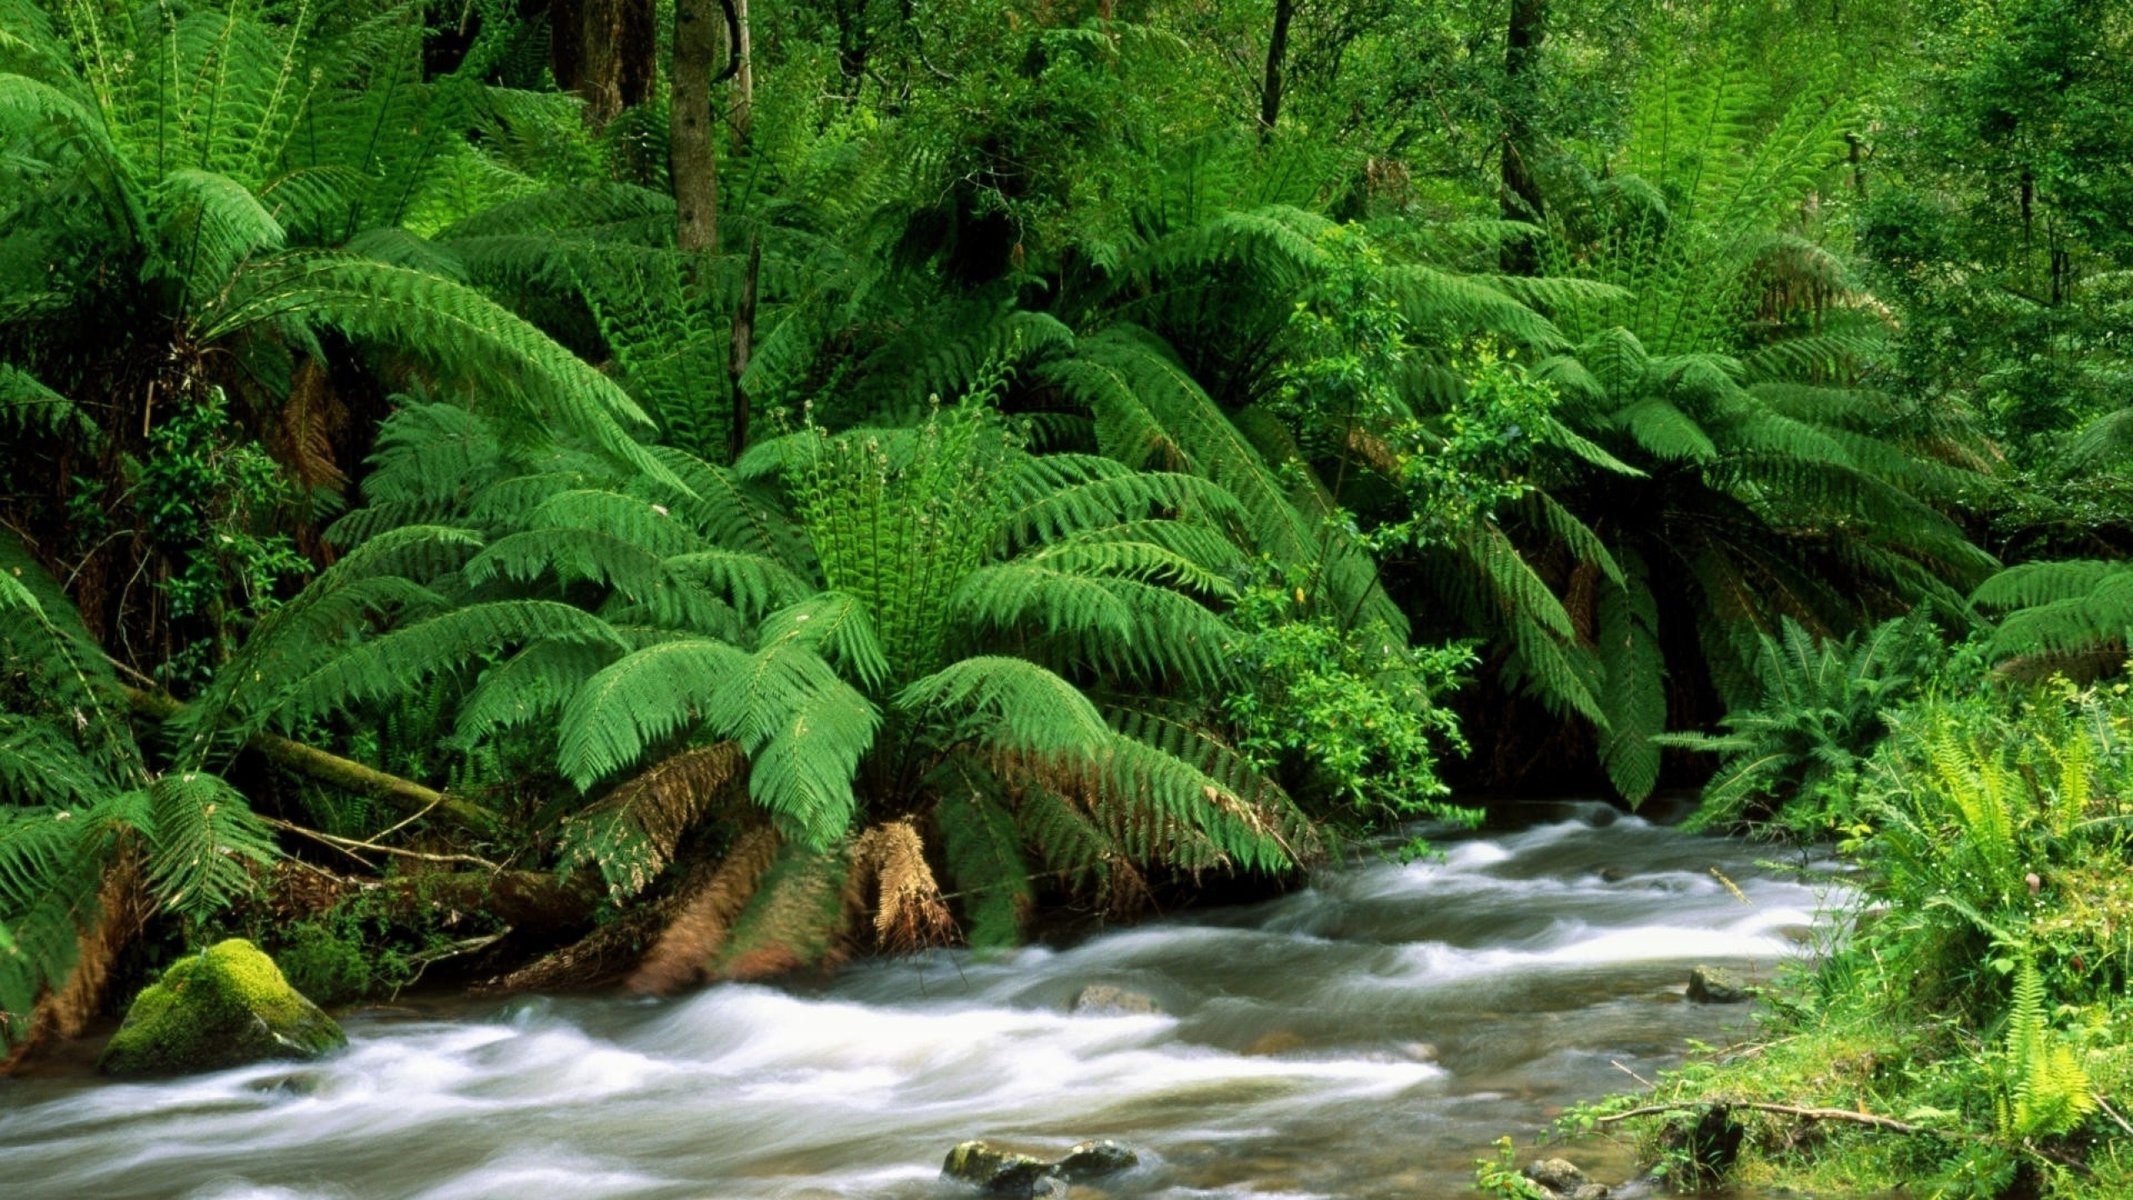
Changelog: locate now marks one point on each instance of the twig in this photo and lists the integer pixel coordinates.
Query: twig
(1617, 1065)
(404, 822)
(2112, 1113)
(348, 844)
(423, 960)
(321, 839)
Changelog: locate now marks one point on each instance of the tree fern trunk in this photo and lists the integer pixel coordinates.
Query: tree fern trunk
(606, 52)
(1277, 54)
(692, 157)
(1520, 195)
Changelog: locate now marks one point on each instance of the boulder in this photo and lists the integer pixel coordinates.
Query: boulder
(1558, 1175)
(1102, 999)
(1004, 1172)
(224, 1007)
(1613, 874)
(1001, 1172)
(1091, 1160)
(1591, 1191)
(1716, 985)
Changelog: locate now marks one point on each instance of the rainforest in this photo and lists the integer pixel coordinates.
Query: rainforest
(1171, 598)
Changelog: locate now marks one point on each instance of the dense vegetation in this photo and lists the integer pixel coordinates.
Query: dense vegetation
(624, 490)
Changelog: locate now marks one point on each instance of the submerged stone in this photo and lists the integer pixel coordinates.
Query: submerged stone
(1103, 999)
(1558, 1175)
(1089, 1160)
(1715, 985)
(224, 1007)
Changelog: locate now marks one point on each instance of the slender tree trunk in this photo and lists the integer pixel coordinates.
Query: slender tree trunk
(692, 157)
(606, 51)
(1519, 195)
(743, 346)
(744, 73)
(1277, 54)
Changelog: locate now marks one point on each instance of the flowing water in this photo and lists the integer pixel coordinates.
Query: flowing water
(1365, 1037)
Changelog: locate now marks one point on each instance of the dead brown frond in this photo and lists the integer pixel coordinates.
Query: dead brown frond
(703, 921)
(304, 431)
(909, 911)
(795, 919)
(663, 802)
(121, 908)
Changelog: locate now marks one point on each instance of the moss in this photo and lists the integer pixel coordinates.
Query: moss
(224, 1007)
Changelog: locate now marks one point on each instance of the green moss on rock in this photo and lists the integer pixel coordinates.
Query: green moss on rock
(224, 1007)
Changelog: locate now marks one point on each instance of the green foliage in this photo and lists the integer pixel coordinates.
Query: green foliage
(1363, 732)
(1499, 1177)
(2047, 1094)
(85, 812)
(1792, 760)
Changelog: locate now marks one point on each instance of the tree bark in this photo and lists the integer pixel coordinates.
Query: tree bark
(1519, 196)
(743, 73)
(606, 51)
(743, 347)
(1277, 54)
(692, 156)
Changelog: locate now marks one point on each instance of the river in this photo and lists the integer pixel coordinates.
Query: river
(1364, 1037)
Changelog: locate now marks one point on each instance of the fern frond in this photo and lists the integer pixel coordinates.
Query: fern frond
(204, 842)
(450, 327)
(984, 860)
(631, 833)
(1634, 699)
(909, 911)
(1011, 703)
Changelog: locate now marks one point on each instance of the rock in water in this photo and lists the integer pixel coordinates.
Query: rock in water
(1104, 1000)
(1092, 1159)
(1558, 1175)
(1001, 1172)
(1715, 985)
(224, 1007)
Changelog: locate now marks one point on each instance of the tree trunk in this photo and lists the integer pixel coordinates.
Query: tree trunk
(1277, 54)
(1519, 195)
(743, 346)
(605, 51)
(744, 73)
(692, 157)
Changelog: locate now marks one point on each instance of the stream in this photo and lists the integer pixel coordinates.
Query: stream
(1367, 1036)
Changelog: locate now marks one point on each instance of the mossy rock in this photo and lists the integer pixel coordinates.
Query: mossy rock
(224, 1007)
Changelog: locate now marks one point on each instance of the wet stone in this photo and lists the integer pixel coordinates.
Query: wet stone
(226, 1006)
(1102, 999)
(1280, 1041)
(1591, 1191)
(1558, 1175)
(1090, 1160)
(1002, 1172)
(1715, 985)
